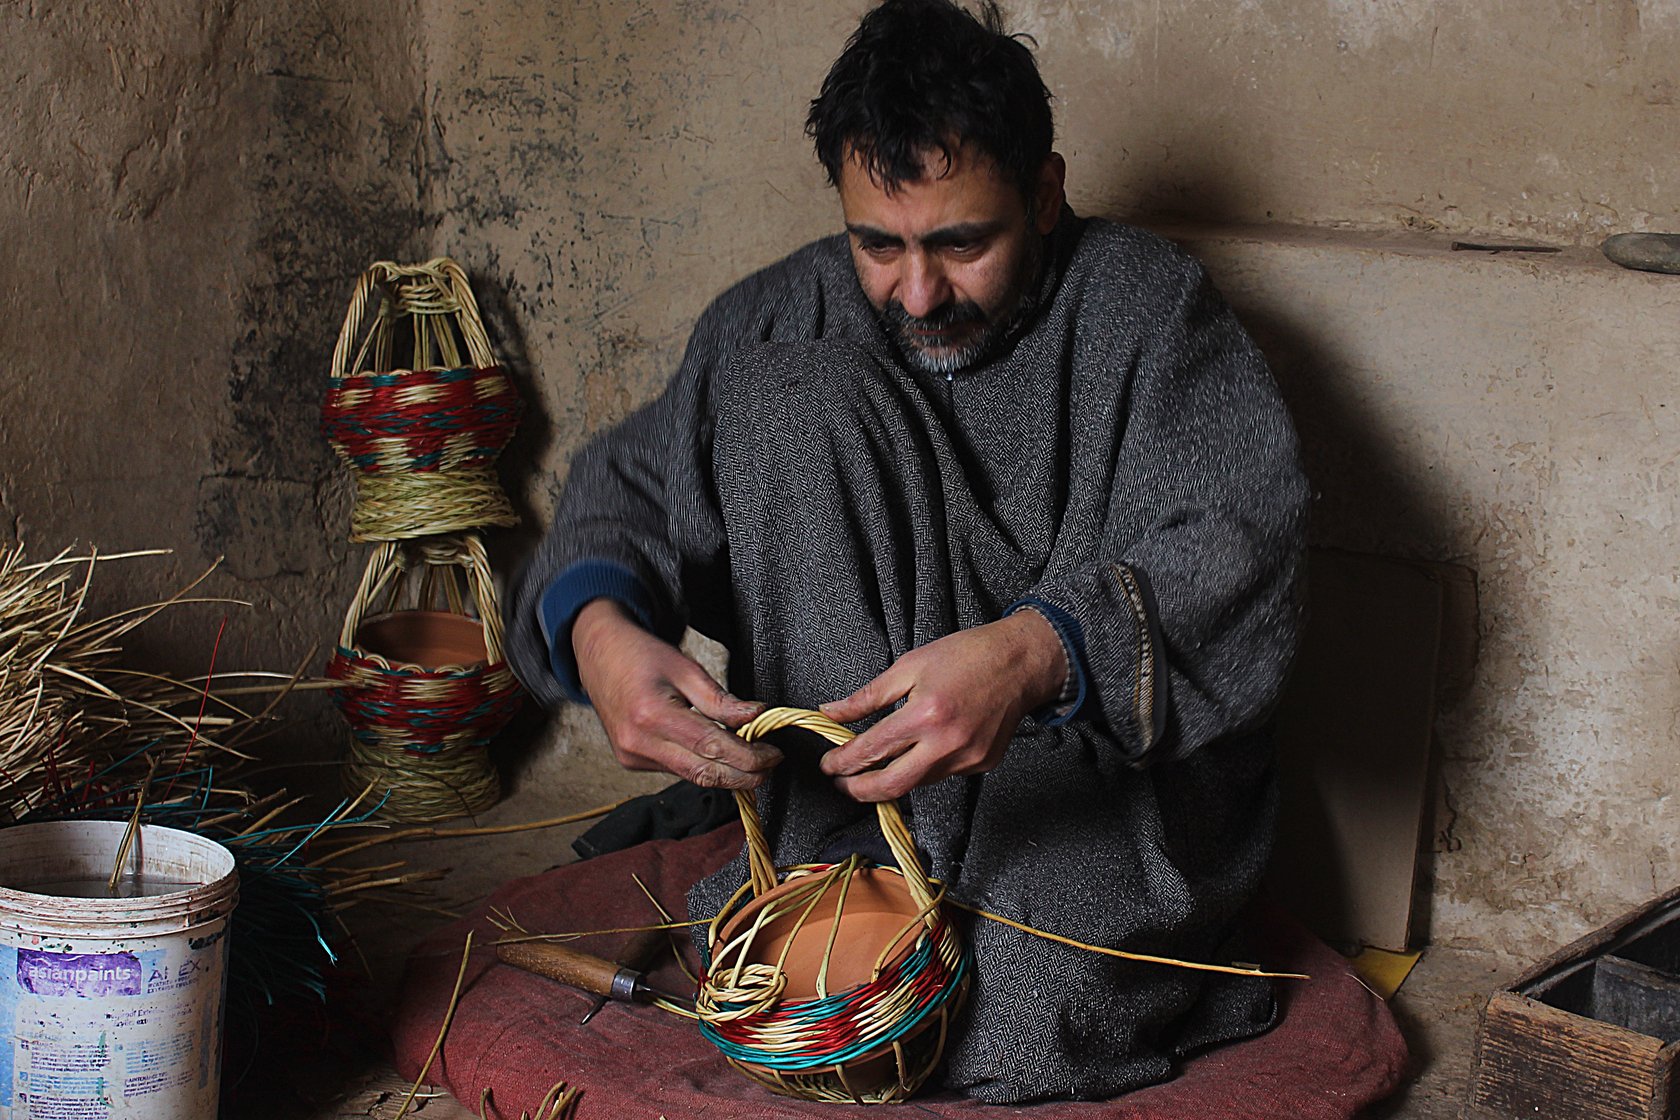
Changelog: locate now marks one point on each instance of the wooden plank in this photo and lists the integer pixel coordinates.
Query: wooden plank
(1455, 670)
(1536, 1061)
(1658, 947)
(1665, 1102)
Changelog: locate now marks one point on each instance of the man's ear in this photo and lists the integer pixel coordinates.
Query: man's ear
(1050, 193)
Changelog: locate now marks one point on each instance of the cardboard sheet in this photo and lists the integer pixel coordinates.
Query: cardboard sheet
(1354, 731)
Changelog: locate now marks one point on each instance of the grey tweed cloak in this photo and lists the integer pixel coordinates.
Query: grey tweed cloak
(800, 496)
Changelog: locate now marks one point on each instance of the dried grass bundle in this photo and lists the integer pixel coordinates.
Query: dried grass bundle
(67, 709)
(84, 737)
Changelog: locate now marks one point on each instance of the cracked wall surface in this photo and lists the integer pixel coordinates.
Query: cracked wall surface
(197, 186)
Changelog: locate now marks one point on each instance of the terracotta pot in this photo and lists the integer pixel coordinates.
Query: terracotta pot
(879, 912)
(878, 908)
(429, 640)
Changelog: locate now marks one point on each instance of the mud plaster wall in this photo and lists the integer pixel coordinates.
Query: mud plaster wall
(204, 183)
(186, 191)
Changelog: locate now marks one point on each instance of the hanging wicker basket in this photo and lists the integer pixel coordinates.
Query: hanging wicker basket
(423, 441)
(832, 982)
(425, 690)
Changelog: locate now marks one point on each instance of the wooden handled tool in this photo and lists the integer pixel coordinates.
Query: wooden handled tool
(639, 953)
(582, 971)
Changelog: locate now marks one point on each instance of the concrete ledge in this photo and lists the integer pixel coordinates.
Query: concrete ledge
(1422, 244)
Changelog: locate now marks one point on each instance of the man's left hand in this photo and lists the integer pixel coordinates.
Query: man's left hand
(963, 695)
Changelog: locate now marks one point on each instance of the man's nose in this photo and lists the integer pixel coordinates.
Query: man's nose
(925, 287)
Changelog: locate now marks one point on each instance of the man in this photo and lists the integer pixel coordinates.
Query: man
(1012, 485)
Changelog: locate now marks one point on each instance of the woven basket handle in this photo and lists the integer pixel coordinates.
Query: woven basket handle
(390, 564)
(763, 867)
(438, 287)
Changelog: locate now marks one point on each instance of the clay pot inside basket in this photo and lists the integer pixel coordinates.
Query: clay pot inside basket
(430, 640)
(879, 910)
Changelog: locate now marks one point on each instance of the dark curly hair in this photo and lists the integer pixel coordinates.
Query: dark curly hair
(922, 76)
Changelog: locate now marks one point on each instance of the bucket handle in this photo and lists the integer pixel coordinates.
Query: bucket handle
(389, 567)
(421, 292)
(762, 865)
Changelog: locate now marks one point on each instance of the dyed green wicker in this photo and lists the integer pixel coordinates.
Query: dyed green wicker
(832, 982)
(422, 440)
(425, 690)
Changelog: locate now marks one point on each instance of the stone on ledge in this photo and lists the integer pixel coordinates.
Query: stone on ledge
(1649, 252)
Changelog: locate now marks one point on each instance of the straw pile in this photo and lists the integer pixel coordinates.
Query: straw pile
(84, 737)
(66, 708)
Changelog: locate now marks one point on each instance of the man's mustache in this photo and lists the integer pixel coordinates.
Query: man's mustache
(953, 314)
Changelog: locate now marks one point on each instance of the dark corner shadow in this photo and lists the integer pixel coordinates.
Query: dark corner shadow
(1201, 187)
(1367, 503)
(519, 464)
(521, 475)
(1363, 497)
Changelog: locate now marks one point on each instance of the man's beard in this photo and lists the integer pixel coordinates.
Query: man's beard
(980, 346)
(902, 327)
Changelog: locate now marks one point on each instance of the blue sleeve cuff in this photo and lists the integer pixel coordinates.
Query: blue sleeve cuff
(568, 594)
(1067, 628)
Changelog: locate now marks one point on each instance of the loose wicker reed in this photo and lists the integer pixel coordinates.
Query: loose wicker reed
(424, 440)
(873, 1043)
(420, 732)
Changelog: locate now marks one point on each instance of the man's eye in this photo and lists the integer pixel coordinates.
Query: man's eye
(879, 249)
(964, 248)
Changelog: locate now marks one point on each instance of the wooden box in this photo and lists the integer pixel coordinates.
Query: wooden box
(1592, 1033)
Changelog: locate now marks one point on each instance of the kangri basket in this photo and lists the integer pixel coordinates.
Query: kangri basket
(832, 982)
(425, 690)
(423, 440)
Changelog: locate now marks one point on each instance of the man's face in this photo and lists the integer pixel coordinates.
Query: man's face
(947, 260)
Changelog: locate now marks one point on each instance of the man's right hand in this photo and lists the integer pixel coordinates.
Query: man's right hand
(661, 710)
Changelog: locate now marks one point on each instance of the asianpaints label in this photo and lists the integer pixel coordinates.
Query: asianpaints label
(111, 1030)
(87, 975)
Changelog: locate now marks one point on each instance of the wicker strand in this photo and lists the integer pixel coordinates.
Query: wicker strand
(401, 505)
(807, 1046)
(897, 834)
(435, 288)
(423, 440)
(441, 786)
(391, 563)
(420, 734)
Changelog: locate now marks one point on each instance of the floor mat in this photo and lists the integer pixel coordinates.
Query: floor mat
(1335, 1050)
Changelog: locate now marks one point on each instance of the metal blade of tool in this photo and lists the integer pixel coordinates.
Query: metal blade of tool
(638, 954)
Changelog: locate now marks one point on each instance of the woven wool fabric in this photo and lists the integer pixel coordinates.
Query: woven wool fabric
(804, 498)
(1334, 1051)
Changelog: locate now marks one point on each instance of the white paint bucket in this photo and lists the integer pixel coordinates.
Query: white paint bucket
(113, 1006)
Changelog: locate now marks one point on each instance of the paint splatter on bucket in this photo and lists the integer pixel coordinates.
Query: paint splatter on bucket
(112, 1004)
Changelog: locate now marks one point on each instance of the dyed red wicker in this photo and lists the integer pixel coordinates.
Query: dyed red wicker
(424, 709)
(422, 440)
(421, 419)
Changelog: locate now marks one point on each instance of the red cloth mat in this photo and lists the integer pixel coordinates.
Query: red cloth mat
(1334, 1051)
